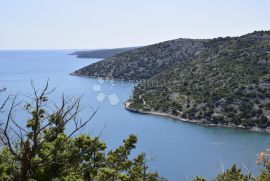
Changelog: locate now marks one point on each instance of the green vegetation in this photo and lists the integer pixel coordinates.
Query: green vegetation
(44, 150)
(236, 174)
(229, 84)
(142, 63)
(224, 81)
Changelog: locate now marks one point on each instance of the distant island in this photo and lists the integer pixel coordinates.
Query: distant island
(217, 82)
(102, 53)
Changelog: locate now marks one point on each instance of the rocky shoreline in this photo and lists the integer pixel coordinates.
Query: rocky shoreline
(199, 122)
(95, 77)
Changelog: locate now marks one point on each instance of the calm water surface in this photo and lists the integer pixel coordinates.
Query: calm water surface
(177, 150)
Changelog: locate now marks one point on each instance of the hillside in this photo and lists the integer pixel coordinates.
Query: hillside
(222, 81)
(144, 62)
(229, 84)
(103, 53)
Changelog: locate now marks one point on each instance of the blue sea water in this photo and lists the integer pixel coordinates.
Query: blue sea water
(177, 150)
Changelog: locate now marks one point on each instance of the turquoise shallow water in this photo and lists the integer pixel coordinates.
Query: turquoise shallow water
(177, 150)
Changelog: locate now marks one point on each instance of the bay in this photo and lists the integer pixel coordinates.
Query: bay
(177, 150)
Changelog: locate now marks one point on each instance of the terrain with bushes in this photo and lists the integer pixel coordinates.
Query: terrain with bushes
(221, 81)
(144, 62)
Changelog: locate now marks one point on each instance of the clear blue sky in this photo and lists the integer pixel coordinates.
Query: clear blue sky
(80, 24)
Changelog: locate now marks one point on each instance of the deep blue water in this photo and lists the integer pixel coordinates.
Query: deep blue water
(177, 150)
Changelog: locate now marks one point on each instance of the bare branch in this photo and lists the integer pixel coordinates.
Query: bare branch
(4, 103)
(26, 142)
(2, 90)
(5, 137)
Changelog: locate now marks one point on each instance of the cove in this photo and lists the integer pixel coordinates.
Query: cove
(177, 150)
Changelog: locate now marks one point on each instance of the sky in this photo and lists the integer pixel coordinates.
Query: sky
(91, 24)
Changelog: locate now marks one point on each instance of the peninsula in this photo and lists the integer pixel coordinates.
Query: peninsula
(222, 81)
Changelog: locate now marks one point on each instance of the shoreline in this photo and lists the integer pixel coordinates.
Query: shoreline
(95, 77)
(198, 122)
(178, 118)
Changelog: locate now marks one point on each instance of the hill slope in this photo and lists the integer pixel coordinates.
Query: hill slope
(228, 84)
(142, 63)
(223, 81)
